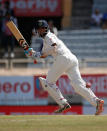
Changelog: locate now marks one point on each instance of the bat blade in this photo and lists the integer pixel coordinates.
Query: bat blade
(17, 34)
(19, 37)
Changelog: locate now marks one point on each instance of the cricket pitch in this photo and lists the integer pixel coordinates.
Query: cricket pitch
(53, 123)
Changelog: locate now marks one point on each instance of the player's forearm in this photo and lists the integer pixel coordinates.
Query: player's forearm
(33, 54)
(43, 55)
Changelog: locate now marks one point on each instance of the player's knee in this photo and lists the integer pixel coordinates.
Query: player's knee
(50, 84)
(46, 84)
(43, 82)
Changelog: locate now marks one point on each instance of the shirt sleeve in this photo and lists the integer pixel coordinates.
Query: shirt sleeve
(50, 40)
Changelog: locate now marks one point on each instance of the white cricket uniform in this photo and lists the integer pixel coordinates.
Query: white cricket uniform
(65, 61)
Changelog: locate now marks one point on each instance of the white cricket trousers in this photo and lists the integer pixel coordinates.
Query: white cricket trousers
(69, 64)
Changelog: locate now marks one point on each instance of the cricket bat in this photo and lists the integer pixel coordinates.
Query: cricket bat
(19, 37)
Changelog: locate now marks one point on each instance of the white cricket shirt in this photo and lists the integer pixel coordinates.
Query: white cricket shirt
(50, 39)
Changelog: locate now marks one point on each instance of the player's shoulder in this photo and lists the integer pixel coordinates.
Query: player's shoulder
(50, 35)
(50, 38)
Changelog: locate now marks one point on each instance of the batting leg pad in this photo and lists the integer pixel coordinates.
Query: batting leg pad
(43, 83)
(53, 91)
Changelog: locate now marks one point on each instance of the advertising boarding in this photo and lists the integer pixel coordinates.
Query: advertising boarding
(36, 7)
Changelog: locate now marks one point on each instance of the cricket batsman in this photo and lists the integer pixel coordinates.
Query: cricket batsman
(64, 61)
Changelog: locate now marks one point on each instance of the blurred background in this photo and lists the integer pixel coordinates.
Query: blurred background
(81, 24)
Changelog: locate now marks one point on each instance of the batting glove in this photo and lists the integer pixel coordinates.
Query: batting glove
(31, 53)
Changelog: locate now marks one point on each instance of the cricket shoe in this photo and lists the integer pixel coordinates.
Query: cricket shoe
(61, 109)
(100, 107)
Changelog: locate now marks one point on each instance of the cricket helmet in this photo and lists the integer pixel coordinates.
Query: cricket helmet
(42, 24)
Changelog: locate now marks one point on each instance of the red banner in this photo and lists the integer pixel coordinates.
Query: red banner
(99, 84)
(27, 89)
(37, 110)
(37, 7)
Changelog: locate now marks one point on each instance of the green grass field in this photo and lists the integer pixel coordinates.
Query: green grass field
(53, 123)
